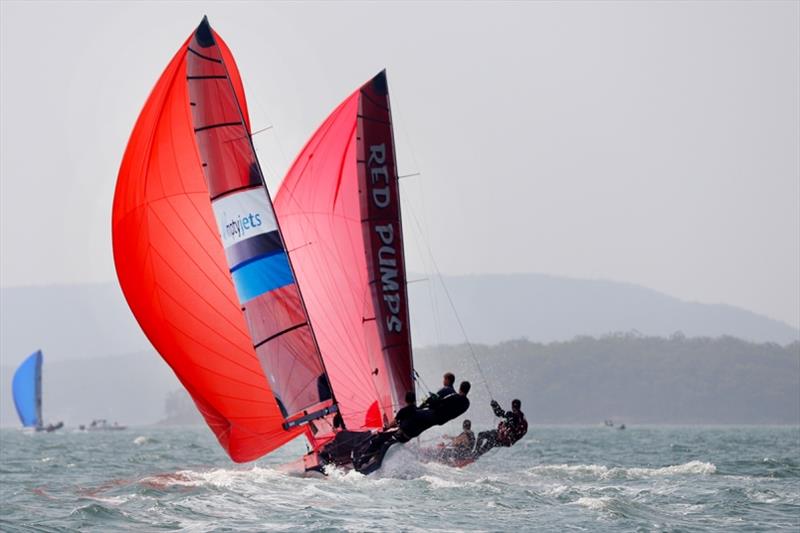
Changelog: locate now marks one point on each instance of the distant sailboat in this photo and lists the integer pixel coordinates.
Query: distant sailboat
(101, 424)
(214, 276)
(27, 390)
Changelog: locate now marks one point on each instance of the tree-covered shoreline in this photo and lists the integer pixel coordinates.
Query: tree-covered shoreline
(632, 378)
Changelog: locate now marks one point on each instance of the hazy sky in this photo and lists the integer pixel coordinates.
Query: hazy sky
(653, 143)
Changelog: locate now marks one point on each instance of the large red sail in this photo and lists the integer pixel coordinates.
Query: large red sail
(339, 208)
(201, 262)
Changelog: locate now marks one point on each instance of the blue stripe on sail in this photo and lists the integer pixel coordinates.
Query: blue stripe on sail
(264, 274)
(253, 248)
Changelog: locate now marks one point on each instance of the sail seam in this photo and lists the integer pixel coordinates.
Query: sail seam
(283, 332)
(341, 165)
(191, 287)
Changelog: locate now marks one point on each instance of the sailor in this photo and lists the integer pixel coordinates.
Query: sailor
(405, 417)
(413, 421)
(461, 446)
(512, 428)
(442, 411)
(452, 406)
(448, 380)
(408, 423)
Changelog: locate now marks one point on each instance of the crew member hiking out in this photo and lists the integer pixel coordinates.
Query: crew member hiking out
(452, 406)
(439, 413)
(412, 423)
(406, 418)
(408, 423)
(513, 427)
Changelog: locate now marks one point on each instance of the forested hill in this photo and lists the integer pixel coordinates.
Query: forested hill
(630, 378)
(627, 378)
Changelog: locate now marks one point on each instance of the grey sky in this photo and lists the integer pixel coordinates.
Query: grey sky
(652, 143)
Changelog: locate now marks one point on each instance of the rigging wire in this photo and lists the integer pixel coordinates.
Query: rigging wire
(397, 120)
(453, 307)
(421, 382)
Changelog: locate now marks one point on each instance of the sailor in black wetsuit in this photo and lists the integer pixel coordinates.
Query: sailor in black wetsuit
(408, 422)
(452, 406)
(412, 422)
(440, 412)
(406, 416)
(513, 427)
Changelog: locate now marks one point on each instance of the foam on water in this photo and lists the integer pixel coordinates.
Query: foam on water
(439, 483)
(344, 475)
(218, 477)
(605, 472)
(571, 478)
(402, 462)
(596, 504)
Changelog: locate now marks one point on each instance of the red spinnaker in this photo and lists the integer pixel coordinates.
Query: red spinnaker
(203, 303)
(339, 209)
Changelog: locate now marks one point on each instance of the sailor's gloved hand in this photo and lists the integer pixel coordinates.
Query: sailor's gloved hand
(494, 403)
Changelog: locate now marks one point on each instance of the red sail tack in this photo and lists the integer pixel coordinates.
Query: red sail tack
(339, 209)
(199, 305)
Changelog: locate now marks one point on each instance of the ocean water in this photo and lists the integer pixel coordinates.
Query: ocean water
(556, 479)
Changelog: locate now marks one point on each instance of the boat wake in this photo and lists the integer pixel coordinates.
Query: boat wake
(602, 472)
(217, 477)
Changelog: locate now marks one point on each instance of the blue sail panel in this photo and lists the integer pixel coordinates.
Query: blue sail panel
(27, 389)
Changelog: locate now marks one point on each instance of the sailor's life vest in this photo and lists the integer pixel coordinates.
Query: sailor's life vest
(512, 429)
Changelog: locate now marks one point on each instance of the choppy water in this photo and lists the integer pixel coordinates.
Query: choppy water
(557, 479)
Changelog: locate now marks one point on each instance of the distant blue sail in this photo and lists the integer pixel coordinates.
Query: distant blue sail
(27, 387)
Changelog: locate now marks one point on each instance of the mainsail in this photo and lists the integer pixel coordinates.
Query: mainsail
(27, 389)
(339, 208)
(201, 261)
